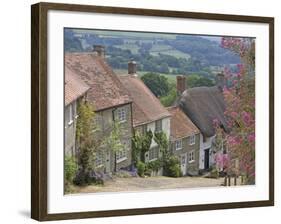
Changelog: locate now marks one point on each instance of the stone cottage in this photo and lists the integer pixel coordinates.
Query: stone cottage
(75, 90)
(148, 112)
(202, 105)
(184, 141)
(111, 101)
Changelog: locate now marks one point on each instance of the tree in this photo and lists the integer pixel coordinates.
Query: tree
(170, 98)
(239, 96)
(85, 129)
(90, 139)
(158, 84)
(195, 80)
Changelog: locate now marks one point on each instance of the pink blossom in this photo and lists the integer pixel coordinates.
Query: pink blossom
(234, 82)
(247, 118)
(222, 160)
(234, 140)
(234, 114)
(216, 123)
(225, 90)
(251, 137)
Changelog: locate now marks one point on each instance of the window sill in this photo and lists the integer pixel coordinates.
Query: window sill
(177, 149)
(151, 160)
(191, 143)
(121, 160)
(192, 161)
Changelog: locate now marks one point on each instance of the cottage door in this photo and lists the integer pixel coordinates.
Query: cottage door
(183, 164)
(207, 159)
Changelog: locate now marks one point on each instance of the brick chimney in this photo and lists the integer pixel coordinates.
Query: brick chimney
(220, 80)
(100, 50)
(132, 68)
(181, 84)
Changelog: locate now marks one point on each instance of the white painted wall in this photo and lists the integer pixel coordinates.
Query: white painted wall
(165, 128)
(205, 145)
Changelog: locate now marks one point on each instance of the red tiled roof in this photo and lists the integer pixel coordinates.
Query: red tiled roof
(106, 89)
(181, 125)
(146, 107)
(73, 87)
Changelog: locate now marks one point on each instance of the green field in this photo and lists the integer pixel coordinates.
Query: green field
(132, 47)
(160, 48)
(155, 50)
(172, 52)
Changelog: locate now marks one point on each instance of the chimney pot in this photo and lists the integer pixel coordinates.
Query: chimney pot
(100, 50)
(181, 84)
(132, 68)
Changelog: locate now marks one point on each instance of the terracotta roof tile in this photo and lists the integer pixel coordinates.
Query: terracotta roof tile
(73, 87)
(146, 107)
(106, 89)
(181, 125)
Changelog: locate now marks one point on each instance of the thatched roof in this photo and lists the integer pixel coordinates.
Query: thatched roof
(202, 105)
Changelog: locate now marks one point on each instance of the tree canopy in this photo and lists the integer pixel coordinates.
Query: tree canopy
(157, 83)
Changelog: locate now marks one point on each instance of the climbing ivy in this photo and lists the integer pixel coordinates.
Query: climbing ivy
(162, 141)
(140, 145)
(90, 138)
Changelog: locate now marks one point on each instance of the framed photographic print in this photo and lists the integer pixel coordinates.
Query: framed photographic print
(139, 111)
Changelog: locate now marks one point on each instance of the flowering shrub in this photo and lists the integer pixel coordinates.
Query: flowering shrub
(222, 160)
(239, 95)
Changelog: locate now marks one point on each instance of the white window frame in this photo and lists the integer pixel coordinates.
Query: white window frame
(192, 140)
(161, 126)
(181, 159)
(152, 151)
(74, 109)
(191, 156)
(178, 144)
(122, 116)
(121, 155)
(69, 112)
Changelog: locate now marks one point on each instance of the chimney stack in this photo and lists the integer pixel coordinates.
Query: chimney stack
(181, 84)
(132, 68)
(221, 82)
(100, 50)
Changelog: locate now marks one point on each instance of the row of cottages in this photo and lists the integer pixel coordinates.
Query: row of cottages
(111, 102)
(202, 105)
(148, 112)
(127, 100)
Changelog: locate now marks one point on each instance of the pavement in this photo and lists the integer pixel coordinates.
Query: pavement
(118, 184)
